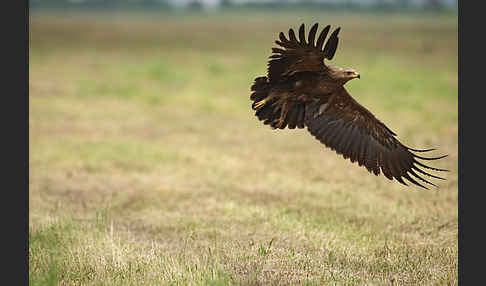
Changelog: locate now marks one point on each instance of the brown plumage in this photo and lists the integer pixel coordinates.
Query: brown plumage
(300, 90)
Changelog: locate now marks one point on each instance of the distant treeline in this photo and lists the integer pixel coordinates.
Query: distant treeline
(98, 4)
(377, 5)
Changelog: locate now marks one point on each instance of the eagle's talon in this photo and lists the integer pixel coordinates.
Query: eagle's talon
(259, 104)
(280, 122)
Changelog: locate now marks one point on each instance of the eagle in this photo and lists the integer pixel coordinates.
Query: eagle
(301, 90)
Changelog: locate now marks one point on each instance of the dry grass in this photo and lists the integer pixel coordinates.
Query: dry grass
(147, 166)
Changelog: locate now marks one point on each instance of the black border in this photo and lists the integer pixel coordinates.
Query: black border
(15, 115)
(20, 67)
(470, 61)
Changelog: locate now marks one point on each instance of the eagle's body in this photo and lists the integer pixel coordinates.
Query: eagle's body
(301, 91)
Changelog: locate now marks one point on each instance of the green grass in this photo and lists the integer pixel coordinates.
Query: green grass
(148, 167)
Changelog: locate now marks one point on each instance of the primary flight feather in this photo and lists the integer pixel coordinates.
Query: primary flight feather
(300, 90)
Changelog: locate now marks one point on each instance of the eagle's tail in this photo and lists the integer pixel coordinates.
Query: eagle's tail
(262, 102)
(271, 113)
(261, 88)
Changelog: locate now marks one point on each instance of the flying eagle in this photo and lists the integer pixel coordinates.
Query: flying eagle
(300, 90)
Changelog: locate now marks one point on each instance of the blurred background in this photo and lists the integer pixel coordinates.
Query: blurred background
(218, 5)
(148, 166)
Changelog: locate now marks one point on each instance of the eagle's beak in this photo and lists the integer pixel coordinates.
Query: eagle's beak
(357, 75)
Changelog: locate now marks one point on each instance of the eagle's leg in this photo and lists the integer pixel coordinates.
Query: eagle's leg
(283, 114)
(261, 103)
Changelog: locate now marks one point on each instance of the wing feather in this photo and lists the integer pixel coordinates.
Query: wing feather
(312, 34)
(347, 141)
(362, 152)
(322, 37)
(354, 145)
(302, 35)
(301, 117)
(292, 118)
(292, 37)
(354, 132)
(371, 158)
(384, 166)
(331, 45)
(301, 55)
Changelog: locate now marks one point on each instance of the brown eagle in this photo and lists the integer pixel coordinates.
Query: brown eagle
(300, 90)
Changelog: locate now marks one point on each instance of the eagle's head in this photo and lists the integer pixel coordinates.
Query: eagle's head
(342, 75)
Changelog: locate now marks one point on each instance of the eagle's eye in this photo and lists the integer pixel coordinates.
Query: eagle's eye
(349, 73)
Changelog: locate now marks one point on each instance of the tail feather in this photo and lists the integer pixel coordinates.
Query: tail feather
(260, 88)
(268, 112)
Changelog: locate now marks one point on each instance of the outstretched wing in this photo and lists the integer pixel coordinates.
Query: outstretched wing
(300, 54)
(347, 127)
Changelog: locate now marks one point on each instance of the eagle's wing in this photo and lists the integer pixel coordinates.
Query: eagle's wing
(350, 129)
(300, 54)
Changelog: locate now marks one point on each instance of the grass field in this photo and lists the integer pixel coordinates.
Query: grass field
(148, 167)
